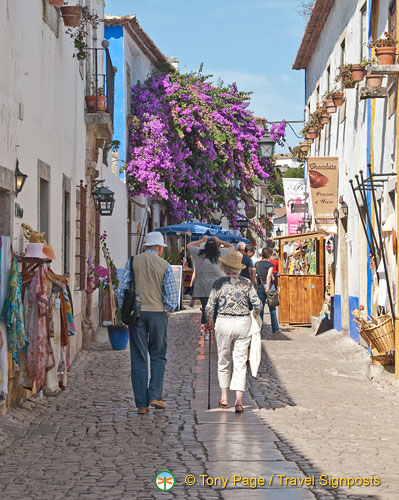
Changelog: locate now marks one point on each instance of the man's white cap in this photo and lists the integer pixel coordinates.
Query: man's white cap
(153, 239)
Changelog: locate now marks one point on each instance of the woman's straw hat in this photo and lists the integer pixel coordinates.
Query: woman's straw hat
(233, 259)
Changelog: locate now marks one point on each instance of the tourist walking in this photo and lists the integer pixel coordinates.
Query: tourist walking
(248, 252)
(205, 254)
(267, 280)
(232, 295)
(157, 291)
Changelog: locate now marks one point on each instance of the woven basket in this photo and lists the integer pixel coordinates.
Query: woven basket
(383, 359)
(380, 336)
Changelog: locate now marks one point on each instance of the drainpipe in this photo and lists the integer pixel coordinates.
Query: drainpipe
(397, 215)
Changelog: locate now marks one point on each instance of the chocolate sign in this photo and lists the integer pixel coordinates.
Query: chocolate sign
(323, 179)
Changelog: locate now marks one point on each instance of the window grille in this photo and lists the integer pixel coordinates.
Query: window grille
(81, 239)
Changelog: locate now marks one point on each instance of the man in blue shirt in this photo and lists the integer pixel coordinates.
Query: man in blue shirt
(157, 290)
(247, 251)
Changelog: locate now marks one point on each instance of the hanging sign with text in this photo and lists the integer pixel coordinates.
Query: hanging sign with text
(294, 193)
(323, 179)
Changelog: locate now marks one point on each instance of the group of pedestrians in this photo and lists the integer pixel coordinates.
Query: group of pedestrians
(232, 290)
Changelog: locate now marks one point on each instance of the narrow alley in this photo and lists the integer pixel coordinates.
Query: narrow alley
(307, 415)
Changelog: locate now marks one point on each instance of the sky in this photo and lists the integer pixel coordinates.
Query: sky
(250, 42)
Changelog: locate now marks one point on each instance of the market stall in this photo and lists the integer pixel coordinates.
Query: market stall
(302, 277)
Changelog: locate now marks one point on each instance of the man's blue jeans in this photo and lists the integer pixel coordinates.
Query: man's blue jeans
(272, 310)
(149, 336)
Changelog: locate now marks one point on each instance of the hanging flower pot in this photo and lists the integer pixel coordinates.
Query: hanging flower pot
(357, 71)
(338, 98)
(309, 140)
(385, 55)
(91, 103)
(58, 3)
(71, 15)
(374, 81)
(312, 133)
(330, 106)
(304, 147)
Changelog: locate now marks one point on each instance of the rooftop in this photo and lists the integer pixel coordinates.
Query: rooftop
(316, 22)
(139, 36)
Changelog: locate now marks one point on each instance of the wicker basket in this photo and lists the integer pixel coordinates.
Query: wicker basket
(383, 359)
(380, 336)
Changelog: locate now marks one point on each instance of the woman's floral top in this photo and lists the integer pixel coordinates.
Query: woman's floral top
(232, 295)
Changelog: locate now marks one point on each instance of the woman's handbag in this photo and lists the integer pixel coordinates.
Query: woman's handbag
(272, 298)
(130, 312)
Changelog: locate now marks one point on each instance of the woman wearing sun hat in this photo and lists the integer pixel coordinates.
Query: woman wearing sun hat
(232, 295)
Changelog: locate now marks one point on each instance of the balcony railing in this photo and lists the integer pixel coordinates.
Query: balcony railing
(102, 84)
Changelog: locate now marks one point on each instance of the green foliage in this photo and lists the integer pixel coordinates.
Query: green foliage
(294, 173)
(174, 257)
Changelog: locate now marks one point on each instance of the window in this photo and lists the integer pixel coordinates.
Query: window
(363, 33)
(44, 199)
(343, 52)
(80, 255)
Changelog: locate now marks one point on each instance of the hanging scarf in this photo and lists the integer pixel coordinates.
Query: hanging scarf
(12, 312)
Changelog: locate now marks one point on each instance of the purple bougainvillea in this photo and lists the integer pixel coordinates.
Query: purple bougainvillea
(193, 145)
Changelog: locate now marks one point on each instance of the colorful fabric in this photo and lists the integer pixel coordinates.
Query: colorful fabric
(40, 355)
(69, 314)
(13, 313)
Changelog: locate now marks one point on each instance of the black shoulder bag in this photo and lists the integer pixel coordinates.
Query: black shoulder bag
(130, 313)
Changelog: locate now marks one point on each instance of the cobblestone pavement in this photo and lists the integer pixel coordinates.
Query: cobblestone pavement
(317, 415)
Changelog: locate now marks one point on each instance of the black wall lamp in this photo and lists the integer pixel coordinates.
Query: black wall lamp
(20, 179)
(336, 214)
(104, 198)
(345, 209)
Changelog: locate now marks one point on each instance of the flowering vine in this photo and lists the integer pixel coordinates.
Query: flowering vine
(193, 145)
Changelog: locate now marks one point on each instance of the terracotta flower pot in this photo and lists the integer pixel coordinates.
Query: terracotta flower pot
(385, 55)
(312, 133)
(304, 147)
(330, 106)
(91, 103)
(374, 81)
(324, 118)
(309, 140)
(338, 98)
(58, 3)
(71, 15)
(357, 72)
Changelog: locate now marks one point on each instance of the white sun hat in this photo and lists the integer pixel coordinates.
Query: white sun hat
(153, 239)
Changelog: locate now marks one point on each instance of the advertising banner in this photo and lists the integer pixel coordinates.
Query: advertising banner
(323, 180)
(294, 194)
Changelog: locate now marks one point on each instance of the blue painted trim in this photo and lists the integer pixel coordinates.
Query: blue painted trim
(353, 304)
(337, 312)
(114, 34)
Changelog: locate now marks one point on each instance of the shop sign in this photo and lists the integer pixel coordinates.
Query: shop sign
(294, 194)
(297, 208)
(323, 179)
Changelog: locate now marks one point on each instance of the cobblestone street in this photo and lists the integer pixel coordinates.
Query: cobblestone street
(311, 412)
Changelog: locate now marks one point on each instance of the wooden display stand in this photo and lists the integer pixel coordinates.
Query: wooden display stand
(301, 295)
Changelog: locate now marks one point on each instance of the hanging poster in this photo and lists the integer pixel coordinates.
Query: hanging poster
(294, 194)
(178, 274)
(323, 179)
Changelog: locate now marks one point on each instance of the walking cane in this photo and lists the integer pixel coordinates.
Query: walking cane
(209, 369)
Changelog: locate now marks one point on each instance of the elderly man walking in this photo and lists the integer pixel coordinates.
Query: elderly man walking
(157, 290)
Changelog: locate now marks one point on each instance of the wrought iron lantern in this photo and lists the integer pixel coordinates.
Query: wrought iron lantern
(336, 214)
(266, 146)
(269, 207)
(104, 198)
(20, 179)
(344, 207)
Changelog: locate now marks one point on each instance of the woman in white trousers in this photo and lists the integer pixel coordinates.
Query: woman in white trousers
(232, 295)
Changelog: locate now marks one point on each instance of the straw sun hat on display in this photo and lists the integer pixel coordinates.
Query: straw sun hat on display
(233, 259)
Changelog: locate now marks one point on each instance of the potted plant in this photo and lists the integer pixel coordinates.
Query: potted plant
(110, 146)
(96, 101)
(323, 114)
(298, 154)
(385, 49)
(338, 98)
(71, 15)
(107, 279)
(329, 102)
(305, 147)
(309, 131)
(373, 80)
(57, 3)
(345, 76)
(79, 32)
